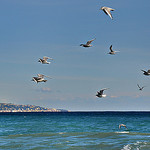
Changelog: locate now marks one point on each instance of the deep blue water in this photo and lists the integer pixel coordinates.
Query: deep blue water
(75, 131)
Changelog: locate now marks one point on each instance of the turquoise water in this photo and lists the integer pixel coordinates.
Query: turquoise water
(75, 131)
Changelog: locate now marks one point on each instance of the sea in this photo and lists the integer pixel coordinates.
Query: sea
(75, 131)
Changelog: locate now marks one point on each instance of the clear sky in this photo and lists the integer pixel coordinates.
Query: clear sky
(31, 29)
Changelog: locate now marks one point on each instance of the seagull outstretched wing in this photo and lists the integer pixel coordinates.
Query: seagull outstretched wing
(40, 75)
(143, 70)
(45, 58)
(111, 48)
(138, 86)
(89, 42)
(107, 11)
(48, 77)
(102, 90)
(33, 79)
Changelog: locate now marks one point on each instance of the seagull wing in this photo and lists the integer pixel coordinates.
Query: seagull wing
(40, 75)
(105, 88)
(101, 92)
(48, 77)
(138, 86)
(89, 42)
(143, 70)
(45, 58)
(107, 11)
(104, 9)
(143, 87)
(34, 79)
(111, 9)
(111, 48)
(40, 59)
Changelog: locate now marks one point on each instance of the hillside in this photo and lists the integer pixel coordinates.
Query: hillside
(8, 107)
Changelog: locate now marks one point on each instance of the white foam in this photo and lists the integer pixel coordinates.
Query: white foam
(126, 147)
(123, 132)
(61, 132)
(136, 146)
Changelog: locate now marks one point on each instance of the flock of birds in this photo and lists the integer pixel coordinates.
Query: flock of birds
(100, 94)
(40, 77)
(107, 11)
(112, 52)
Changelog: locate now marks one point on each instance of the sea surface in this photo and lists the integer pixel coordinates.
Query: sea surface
(75, 131)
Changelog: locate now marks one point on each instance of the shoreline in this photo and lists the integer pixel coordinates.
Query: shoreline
(68, 111)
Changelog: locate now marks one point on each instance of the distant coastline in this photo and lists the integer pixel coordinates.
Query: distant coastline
(14, 108)
(9, 107)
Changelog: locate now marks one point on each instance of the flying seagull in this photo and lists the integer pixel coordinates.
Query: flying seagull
(122, 125)
(44, 60)
(107, 11)
(140, 88)
(100, 93)
(40, 78)
(147, 73)
(111, 51)
(88, 44)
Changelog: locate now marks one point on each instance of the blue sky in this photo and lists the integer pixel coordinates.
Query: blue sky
(31, 29)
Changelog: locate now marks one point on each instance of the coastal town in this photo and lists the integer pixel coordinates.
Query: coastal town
(9, 107)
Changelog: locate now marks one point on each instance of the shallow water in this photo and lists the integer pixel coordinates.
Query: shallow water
(75, 131)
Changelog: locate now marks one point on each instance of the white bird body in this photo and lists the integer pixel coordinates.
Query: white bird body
(104, 95)
(88, 44)
(44, 60)
(40, 78)
(107, 11)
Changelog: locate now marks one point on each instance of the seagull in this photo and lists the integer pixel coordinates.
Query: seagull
(140, 88)
(107, 11)
(100, 93)
(88, 44)
(44, 60)
(122, 125)
(40, 78)
(147, 73)
(111, 51)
